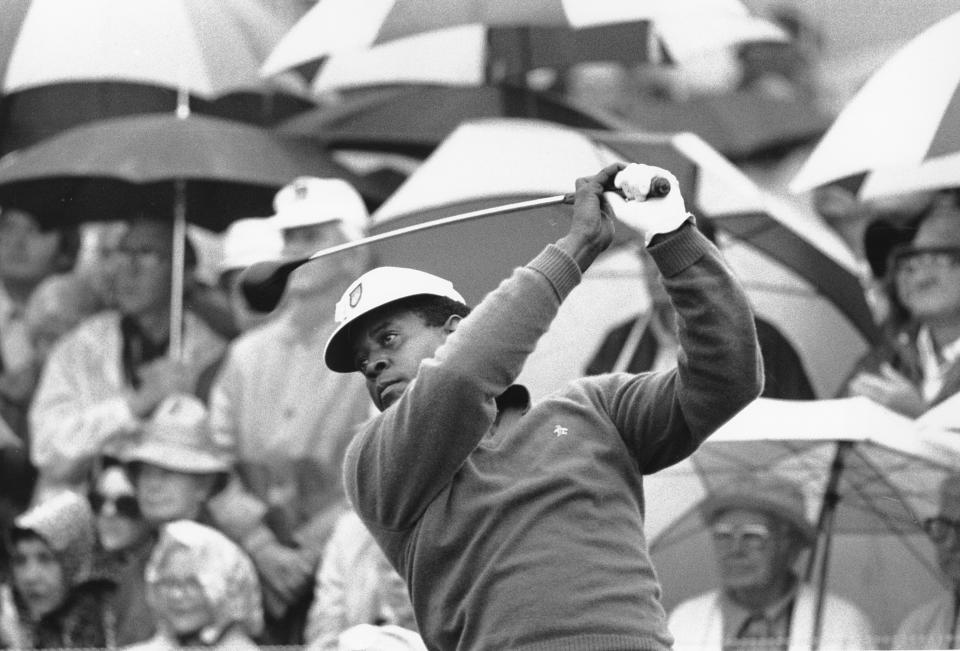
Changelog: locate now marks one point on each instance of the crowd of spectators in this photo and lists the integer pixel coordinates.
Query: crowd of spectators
(156, 500)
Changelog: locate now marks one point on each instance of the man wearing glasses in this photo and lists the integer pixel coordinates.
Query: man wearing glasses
(918, 366)
(935, 625)
(759, 530)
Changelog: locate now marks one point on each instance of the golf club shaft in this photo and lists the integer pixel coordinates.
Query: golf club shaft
(264, 283)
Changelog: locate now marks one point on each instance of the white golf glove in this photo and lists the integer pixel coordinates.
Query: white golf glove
(648, 216)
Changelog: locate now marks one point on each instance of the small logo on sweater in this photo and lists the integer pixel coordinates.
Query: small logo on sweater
(559, 431)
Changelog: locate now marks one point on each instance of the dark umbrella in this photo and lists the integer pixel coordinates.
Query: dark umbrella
(205, 170)
(414, 118)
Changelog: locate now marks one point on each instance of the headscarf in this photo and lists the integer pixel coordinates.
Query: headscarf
(64, 522)
(226, 576)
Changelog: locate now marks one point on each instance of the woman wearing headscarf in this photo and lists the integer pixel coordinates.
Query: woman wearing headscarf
(203, 590)
(51, 601)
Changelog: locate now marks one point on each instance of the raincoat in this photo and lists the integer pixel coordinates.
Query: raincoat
(227, 578)
(86, 617)
(82, 397)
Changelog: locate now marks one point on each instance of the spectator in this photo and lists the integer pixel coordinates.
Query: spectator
(286, 418)
(114, 368)
(176, 472)
(355, 585)
(649, 342)
(760, 529)
(29, 253)
(124, 543)
(936, 624)
(54, 603)
(918, 364)
(175, 466)
(246, 242)
(120, 527)
(203, 590)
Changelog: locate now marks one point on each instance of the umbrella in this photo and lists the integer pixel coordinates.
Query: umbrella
(799, 278)
(512, 39)
(414, 118)
(738, 124)
(204, 169)
(204, 47)
(898, 134)
(119, 58)
(870, 477)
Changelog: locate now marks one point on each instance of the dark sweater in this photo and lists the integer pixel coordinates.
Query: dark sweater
(525, 530)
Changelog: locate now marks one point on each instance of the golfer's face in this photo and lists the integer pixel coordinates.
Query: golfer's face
(388, 348)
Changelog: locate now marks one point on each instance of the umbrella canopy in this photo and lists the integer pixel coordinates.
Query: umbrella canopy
(517, 38)
(99, 170)
(899, 132)
(881, 469)
(121, 58)
(798, 277)
(414, 118)
(205, 47)
(738, 124)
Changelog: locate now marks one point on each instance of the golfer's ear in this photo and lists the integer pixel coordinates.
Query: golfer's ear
(452, 322)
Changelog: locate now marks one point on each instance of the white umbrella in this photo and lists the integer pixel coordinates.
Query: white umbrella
(869, 475)
(798, 276)
(492, 39)
(901, 131)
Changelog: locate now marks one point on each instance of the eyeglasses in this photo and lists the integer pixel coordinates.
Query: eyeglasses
(123, 505)
(752, 537)
(172, 587)
(138, 257)
(940, 529)
(938, 258)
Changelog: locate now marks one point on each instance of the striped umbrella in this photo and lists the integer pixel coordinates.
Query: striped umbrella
(108, 58)
(520, 36)
(208, 47)
(901, 132)
(798, 275)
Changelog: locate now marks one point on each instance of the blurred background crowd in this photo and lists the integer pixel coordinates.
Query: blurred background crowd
(170, 455)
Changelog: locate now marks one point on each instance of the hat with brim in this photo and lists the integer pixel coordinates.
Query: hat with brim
(373, 290)
(177, 438)
(779, 499)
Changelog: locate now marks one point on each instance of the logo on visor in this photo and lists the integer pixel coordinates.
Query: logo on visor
(355, 295)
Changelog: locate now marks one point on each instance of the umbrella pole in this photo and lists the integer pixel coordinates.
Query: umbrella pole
(825, 524)
(177, 269)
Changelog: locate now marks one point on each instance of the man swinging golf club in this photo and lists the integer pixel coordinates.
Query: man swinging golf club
(519, 525)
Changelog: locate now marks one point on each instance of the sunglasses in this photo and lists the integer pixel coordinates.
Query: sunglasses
(940, 529)
(123, 505)
(752, 537)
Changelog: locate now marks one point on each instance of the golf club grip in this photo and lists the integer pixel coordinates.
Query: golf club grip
(659, 187)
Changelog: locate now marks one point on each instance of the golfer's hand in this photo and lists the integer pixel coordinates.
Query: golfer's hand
(649, 216)
(890, 389)
(284, 570)
(591, 231)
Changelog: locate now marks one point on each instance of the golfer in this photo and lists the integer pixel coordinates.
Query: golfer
(519, 525)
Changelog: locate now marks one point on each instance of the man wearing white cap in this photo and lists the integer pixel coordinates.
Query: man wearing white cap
(519, 524)
(283, 415)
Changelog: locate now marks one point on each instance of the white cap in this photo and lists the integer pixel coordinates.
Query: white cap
(248, 241)
(374, 289)
(309, 200)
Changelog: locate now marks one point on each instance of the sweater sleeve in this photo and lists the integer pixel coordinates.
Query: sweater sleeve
(663, 417)
(405, 457)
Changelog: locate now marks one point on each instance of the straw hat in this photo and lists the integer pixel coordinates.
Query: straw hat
(177, 438)
(776, 497)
